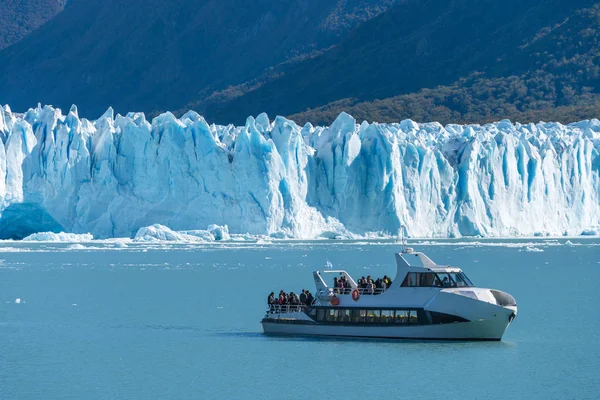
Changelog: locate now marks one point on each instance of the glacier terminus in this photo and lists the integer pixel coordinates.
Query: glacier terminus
(117, 174)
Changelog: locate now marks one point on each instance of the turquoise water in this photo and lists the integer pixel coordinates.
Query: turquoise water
(102, 321)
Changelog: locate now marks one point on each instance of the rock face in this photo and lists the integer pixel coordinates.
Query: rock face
(114, 175)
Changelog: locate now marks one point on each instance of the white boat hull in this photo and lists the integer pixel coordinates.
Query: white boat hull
(491, 329)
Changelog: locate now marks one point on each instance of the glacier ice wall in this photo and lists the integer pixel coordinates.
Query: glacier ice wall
(114, 175)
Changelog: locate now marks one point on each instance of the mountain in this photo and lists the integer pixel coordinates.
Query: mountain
(20, 17)
(553, 76)
(461, 61)
(462, 49)
(117, 174)
(154, 55)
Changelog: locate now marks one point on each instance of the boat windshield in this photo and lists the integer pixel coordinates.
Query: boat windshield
(439, 279)
(454, 279)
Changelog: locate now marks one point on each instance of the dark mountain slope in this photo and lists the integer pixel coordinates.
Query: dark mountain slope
(555, 76)
(19, 17)
(417, 44)
(154, 54)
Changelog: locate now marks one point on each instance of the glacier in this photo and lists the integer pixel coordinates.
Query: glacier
(114, 175)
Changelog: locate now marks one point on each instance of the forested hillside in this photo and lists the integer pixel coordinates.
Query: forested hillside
(19, 17)
(553, 77)
(449, 61)
(461, 61)
(155, 55)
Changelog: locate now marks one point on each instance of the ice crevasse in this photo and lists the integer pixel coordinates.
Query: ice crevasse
(117, 174)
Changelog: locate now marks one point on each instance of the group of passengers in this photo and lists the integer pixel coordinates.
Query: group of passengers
(291, 298)
(368, 285)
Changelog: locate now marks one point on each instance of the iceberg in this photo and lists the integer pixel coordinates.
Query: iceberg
(59, 237)
(117, 174)
(158, 232)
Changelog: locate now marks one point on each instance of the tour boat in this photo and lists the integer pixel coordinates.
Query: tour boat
(424, 301)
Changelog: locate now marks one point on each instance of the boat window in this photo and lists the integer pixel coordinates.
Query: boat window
(446, 279)
(412, 317)
(461, 279)
(421, 279)
(359, 315)
(387, 316)
(429, 279)
(332, 314)
(339, 315)
(401, 317)
(373, 315)
(347, 315)
(441, 318)
(320, 314)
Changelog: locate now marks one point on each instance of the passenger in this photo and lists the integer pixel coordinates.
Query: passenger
(335, 284)
(340, 286)
(347, 285)
(282, 299)
(310, 299)
(445, 282)
(363, 282)
(303, 297)
(271, 301)
(387, 280)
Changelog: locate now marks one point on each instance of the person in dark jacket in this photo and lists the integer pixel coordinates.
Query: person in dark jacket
(309, 298)
(271, 300)
(303, 297)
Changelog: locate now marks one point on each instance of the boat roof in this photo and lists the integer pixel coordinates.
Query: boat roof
(423, 264)
(426, 263)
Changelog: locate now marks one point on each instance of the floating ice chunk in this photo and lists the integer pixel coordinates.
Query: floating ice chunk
(590, 232)
(532, 249)
(220, 232)
(159, 232)
(59, 237)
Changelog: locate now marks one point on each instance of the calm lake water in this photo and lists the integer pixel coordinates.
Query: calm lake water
(104, 321)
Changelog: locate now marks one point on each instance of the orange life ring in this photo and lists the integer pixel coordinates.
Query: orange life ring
(334, 301)
(355, 295)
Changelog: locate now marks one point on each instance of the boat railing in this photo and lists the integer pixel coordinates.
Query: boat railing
(362, 291)
(285, 308)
